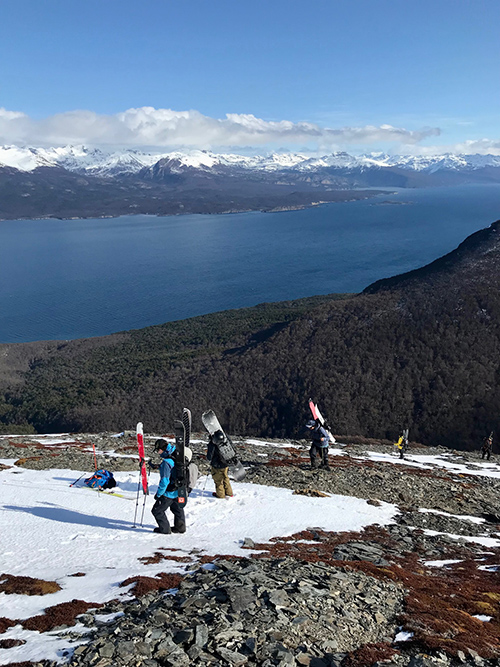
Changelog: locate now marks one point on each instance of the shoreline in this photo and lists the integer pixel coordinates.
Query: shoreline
(367, 194)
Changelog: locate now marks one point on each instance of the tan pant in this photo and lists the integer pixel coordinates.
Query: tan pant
(222, 483)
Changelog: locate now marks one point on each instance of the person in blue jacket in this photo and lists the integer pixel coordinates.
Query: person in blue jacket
(319, 444)
(167, 493)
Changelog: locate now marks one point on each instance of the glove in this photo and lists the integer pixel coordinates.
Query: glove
(157, 497)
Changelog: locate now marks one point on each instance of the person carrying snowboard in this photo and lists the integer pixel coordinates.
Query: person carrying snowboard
(320, 441)
(219, 466)
(487, 447)
(167, 493)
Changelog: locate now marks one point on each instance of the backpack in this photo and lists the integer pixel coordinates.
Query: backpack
(226, 451)
(101, 479)
(192, 476)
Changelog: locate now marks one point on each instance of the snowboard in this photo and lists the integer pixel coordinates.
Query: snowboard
(228, 453)
(319, 417)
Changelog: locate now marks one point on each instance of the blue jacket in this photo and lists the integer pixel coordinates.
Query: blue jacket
(166, 468)
(320, 437)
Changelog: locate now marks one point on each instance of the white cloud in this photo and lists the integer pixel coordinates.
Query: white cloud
(165, 128)
(467, 147)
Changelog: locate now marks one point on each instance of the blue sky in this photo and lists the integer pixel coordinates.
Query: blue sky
(338, 71)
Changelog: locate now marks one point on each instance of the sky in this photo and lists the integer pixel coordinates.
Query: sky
(237, 76)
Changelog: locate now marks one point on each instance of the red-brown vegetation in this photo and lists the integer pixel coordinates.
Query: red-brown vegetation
(157, 557)
(10, 584)
(60, 614)
(369, 654)
(440, 602)
(6, 623)
(11, 643)
(162, 582)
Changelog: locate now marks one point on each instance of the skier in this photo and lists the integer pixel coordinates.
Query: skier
(167, 492)
(487, 447)
(219, 466)
(319, 444)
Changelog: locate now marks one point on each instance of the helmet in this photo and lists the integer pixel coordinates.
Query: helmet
(166, 447)
(218, 438)
(311, 423)
(161, 443)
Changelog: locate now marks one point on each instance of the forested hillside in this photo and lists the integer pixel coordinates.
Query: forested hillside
(419, 350)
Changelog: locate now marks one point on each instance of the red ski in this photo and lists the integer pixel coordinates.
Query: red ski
(142, 458)
(319, 417)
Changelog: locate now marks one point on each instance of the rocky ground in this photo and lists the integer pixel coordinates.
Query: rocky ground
(423, 591)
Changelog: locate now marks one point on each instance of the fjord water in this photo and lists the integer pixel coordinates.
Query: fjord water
(64, 279)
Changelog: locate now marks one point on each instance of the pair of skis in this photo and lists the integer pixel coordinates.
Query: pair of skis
(182, 439)
(319, 418)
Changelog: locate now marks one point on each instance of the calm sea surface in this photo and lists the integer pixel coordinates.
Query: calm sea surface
(62, 279)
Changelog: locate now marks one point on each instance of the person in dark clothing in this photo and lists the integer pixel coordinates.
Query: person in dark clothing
(219, 467)
(319, 444)
(167, 492)
(487, 447)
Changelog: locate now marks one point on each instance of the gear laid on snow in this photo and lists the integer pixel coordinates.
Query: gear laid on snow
(101, 479)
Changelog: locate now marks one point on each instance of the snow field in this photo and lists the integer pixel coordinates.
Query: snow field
(51, 531)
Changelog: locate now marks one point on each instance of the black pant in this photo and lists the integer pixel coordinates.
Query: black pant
(486, 452)
(159, 512)
(322, 452)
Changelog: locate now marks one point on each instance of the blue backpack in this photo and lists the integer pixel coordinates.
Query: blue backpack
(101, 479)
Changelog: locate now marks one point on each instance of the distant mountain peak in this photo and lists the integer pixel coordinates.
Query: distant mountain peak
(82, 159)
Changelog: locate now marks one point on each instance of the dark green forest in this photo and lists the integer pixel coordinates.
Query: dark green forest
(420, 350)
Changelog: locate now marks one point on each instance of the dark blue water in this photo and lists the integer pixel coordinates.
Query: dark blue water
(62, 279)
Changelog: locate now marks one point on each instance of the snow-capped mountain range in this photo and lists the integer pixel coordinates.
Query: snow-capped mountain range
(93, 161)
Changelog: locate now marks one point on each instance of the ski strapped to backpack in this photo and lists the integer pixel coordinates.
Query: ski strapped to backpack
(319, 418)
(143, 475)
(182, 439)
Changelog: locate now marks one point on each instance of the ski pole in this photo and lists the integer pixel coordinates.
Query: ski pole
(144, 503)
(95, 458)
(137, 500)
(143, 508)
(77, 480)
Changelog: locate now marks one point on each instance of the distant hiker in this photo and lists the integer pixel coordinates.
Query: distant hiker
(402, 443)
(219, 465)
(487, 447)
(167, 492)
(319, 444)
